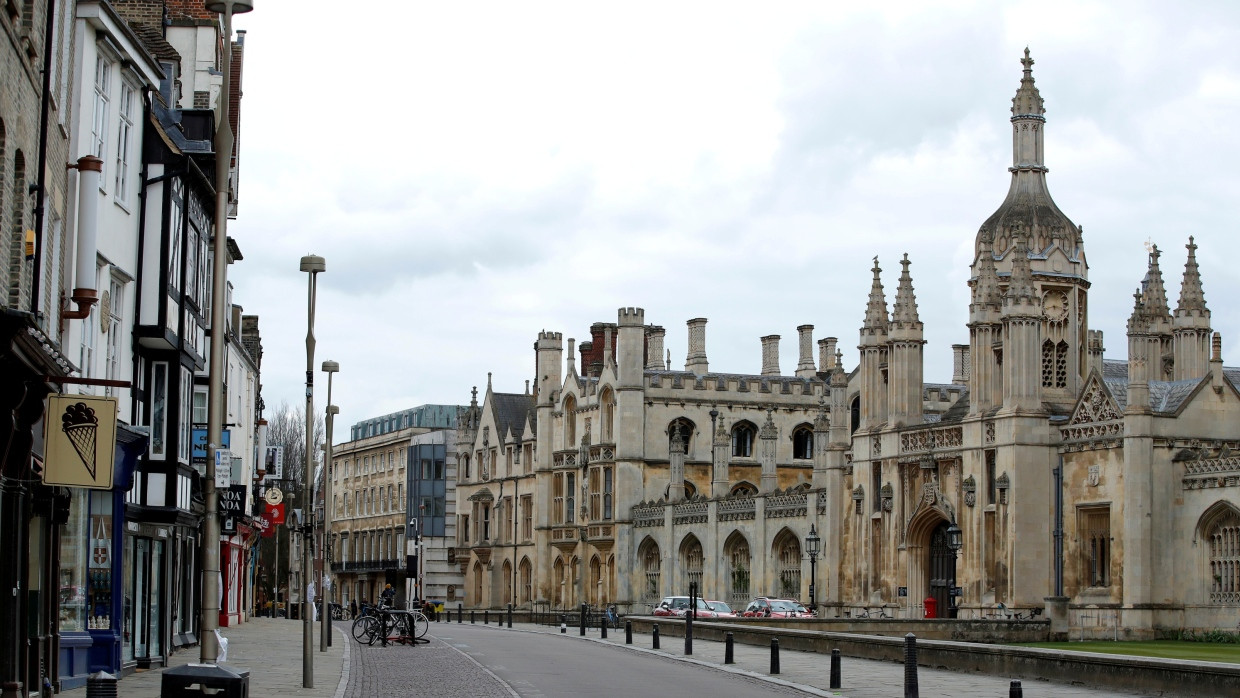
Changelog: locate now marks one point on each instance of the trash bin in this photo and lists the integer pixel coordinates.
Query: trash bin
(192, 680)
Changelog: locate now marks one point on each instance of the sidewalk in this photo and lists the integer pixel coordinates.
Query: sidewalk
(809, 671)
(271, 648)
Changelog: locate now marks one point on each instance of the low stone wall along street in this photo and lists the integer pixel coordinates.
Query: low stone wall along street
(1173, 677)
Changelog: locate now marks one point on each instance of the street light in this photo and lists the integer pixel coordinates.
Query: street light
(209, 648)
(954, 543)
(325, 641)
(813, 545)
(311, 264)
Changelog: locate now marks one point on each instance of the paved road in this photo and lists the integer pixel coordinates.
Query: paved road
(536, 665)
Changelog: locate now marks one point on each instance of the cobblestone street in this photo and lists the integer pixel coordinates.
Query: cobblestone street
(434, 669)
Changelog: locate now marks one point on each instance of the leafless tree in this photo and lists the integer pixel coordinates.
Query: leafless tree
(287, 428)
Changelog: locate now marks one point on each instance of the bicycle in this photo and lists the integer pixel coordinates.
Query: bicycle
(384, 624)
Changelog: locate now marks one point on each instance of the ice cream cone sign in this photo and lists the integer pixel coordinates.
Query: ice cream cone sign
(80, 434)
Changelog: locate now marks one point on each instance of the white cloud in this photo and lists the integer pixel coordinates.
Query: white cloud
(474, 173)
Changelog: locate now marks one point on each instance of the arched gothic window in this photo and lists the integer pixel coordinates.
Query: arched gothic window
(742, 440)
(788, 552)
(691, 562)
(736, 552)
(803, 442)
(683, 427)
(1224, 549)
(650, 562)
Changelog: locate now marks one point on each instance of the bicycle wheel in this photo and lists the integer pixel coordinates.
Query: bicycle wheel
(365, 629)
(420, 624)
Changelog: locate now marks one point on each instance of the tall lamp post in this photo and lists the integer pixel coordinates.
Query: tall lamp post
(955, 543)
(325, 641)
(209, 649)
(813, 546)
(313, 265)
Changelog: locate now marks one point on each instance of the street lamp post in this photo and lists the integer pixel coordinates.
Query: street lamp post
(813, 545)
(954, 543)
(210, 619)
(313, 265)
(325, 641)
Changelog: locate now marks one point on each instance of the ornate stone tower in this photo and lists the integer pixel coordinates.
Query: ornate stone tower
(1056, 260)
(873, 348)
(1192, 324)
(905, 365)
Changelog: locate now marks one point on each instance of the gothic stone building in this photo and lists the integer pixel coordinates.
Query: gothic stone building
(1042, 478)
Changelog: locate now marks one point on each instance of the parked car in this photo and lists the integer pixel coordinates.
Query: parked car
(765, 607)
(678, 605)
(720, 609)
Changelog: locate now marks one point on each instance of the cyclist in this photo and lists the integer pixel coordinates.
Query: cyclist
(388, 596)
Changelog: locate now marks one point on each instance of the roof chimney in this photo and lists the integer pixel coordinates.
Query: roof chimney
(805, 343)
(770, 355)
(695, 360)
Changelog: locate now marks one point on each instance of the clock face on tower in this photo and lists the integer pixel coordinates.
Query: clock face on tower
(1055, 306)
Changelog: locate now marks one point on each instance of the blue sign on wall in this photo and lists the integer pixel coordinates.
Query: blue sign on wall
(198, 441)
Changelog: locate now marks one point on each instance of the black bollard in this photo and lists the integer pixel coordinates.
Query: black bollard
(654, 637)
(688, 633)
(910, 666)
(510, 616)
(628, 632)
(602, 624)
(774, 655)
(486, 617)
(582, 619)
(460, 609)
(727, 649)
(471, 617)
(1015, 691)
(835, 668)
(563, 624)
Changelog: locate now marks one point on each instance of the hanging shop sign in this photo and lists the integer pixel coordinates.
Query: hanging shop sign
(80, 438)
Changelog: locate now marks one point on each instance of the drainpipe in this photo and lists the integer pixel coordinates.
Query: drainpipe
(1058, 533)
(40, 189)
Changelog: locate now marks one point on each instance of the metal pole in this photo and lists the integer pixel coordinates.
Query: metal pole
(313, 265)
(209, 649)
(835, 668)
(325, 641)
(910, 666)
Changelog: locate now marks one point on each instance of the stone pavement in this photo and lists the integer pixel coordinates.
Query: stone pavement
(810, 672)
(271, 649)
(435, 668)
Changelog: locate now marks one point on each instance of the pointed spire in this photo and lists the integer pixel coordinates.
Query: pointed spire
(1020, 286)
(1027, 102)
(768, 430)
(821, 421)
(1192, 297)
(904, 312)
(1153, 289)
(876, 308)
(987, 291)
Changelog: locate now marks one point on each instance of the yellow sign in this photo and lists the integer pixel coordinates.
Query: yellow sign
(80, 439)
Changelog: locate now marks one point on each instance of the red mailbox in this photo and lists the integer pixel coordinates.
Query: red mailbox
(932, 607)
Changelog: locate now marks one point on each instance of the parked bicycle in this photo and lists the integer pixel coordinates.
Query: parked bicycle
(375, 624)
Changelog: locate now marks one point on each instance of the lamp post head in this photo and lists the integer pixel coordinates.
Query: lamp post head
(238, 6)
(333, 410)
(313, 263)
(813, 544)
(330, 367)
(954, 537)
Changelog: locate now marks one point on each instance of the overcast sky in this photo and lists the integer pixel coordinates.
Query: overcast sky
(474, 173)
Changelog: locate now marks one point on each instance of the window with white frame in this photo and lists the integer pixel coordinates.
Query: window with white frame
(124, 140)
(99, 128)
(187, 397)
(159, 410)
(200, 405)
(116, 319)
